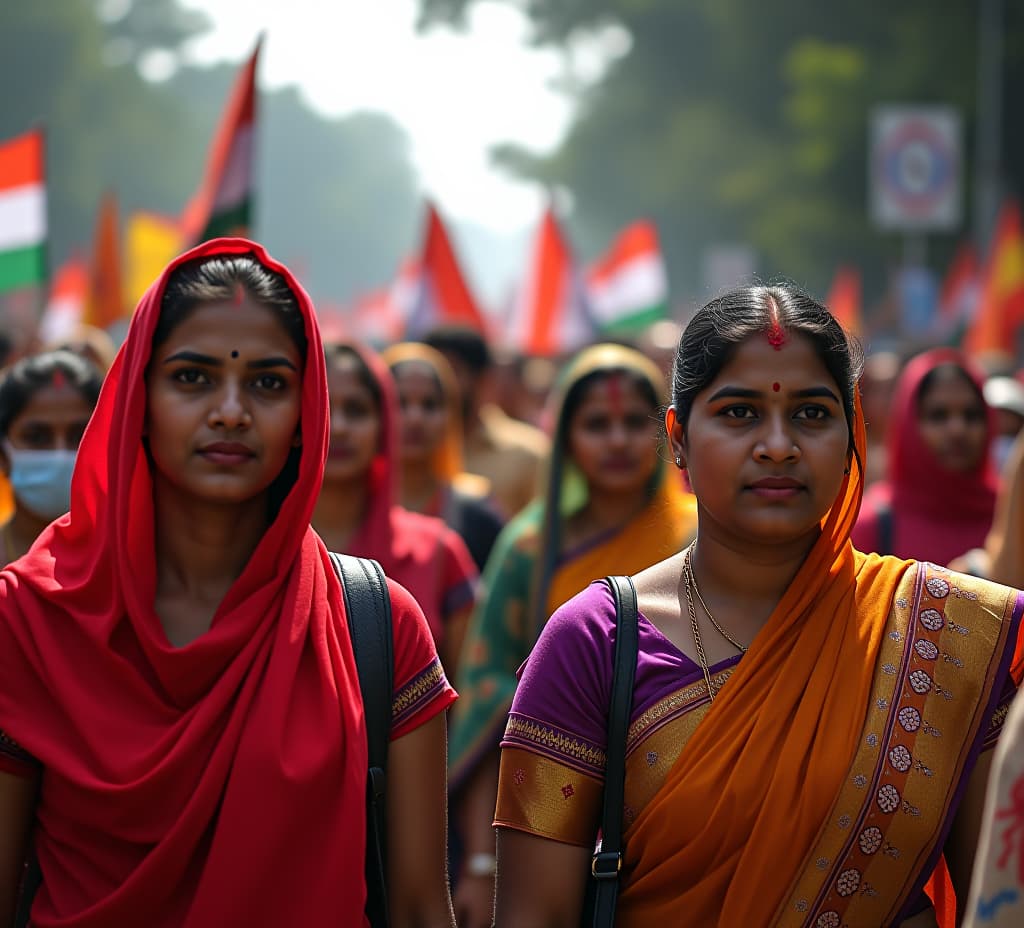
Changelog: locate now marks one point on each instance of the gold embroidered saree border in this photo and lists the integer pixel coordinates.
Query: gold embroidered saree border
(943, 647)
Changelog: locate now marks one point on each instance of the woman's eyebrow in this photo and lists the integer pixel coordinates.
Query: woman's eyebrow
(729, 391)
(194, 357)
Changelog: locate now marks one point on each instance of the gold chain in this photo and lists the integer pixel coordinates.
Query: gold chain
(690, 581)
(693, 626)
(691, 578)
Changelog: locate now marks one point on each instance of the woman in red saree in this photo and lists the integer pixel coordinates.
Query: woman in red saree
(808, 721)
(183, 734)
(358, 510)
(938, 498)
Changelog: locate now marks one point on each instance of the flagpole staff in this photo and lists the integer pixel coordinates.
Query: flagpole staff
(988, 132)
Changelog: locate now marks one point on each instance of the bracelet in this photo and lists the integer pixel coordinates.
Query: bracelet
(481, 864)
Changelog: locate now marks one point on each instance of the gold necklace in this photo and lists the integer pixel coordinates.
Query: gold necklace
(694, 628)
(692, 578)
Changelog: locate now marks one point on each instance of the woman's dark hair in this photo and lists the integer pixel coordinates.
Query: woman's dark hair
(946, 371)
(216, 280)
(717, 330)
(336, 352)
(579, 390)
(401, 367)
(27, 377)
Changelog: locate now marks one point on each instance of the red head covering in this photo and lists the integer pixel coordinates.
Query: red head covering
(936, 514)
(418, 551)
(220, 783)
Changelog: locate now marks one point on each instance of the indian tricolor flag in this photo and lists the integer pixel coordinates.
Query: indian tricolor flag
(22, 212)
(628, 287)
(551, 315)
(223, 203)
(66, 305)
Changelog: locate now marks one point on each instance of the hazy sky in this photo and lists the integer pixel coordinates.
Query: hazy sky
(456, 94)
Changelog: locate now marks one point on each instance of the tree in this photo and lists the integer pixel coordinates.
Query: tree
(738, 121)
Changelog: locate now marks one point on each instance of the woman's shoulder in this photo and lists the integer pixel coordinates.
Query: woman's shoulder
(584, 623)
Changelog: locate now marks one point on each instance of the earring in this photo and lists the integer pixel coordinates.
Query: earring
(846, 470)
(679, 461)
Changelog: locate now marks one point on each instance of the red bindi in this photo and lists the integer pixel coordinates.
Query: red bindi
(615, 394)
(776, 387)
(239, 295)
(776, 334)
(59, 379)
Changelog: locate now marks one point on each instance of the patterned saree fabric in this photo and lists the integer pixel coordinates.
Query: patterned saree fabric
(200, 786)
(528, 576)
(818, 787)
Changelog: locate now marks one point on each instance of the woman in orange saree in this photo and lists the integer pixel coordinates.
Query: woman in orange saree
(807, 720)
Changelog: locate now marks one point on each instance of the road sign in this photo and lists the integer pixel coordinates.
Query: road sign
(915, 167)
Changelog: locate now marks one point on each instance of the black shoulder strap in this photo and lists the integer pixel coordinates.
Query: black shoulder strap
(368, 607)
(608, 861)
(883, 513)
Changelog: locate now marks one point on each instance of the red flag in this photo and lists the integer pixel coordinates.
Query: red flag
(223, 203)
(844, 300)
(440, 294)
(1000, 310)
(551, 316)
(105, 304)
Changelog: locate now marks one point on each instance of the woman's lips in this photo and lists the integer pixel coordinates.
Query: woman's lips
(776, 487)
(227, 453)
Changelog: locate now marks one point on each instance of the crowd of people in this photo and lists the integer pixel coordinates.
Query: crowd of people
(822, 732)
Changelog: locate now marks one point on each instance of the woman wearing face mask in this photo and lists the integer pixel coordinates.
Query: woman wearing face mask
(45, 404)
(182, 734)
(939, 495)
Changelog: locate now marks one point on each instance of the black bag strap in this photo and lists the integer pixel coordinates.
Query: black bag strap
(607, 862)
(368, 607)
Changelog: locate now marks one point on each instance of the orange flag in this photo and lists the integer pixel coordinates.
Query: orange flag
(105, 303)
(441, 293)
(844, 300)
(552, 315)
(151, 241)
(1000, 310)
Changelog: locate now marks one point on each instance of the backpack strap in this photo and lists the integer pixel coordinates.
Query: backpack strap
(368, 609)
(607, 862)
(883, 516)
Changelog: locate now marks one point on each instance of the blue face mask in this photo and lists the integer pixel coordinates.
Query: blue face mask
(41, 480)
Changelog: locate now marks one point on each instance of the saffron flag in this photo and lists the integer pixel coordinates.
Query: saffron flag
(22, 212)
(844, 300)
(551, 315)
(628, 287)
(439, 293)
(105, 304)
(1000, 310)
(66, 306)
(151, 241)
(223, 203)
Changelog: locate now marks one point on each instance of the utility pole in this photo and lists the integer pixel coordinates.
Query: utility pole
(988, 130)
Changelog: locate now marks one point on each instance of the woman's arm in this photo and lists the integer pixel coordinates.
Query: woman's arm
(541, 882)
(454, 637)
(417, 811)
(17, 803)
(474, 813)
(962, 843)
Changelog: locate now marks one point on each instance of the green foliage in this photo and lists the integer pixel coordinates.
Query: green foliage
(336, 196)
(743, 121)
